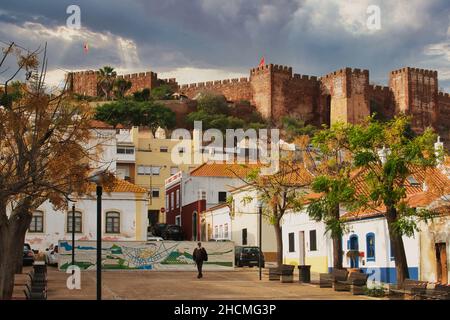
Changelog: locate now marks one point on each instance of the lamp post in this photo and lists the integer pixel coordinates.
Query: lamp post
(97, 179)
(73, 238)
(260, 238)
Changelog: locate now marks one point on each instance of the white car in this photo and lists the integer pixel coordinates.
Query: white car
(51, 255)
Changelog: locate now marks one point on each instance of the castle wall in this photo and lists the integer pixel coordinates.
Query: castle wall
(261, 88)
(381, 101)
(232, 89)
(443, 118)
(84, 82)
(416, 93)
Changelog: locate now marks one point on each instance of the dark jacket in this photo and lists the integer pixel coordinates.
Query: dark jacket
(200, 255)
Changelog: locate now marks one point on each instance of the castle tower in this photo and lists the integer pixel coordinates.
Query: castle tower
(347, 92)
(415, 93)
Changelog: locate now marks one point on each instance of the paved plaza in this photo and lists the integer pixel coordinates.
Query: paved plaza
(161, 285)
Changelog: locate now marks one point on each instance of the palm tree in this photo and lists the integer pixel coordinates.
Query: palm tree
(106, 79)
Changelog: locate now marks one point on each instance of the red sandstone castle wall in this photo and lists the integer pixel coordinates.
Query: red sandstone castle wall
(416, 93)
(443, 119)
(232, 89)
(382, 98)
(84, 82)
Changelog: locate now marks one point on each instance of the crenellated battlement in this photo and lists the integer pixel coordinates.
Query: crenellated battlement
(346, 71)
(443, 94)
(378, 88)
(215, 83)
(271, 68)
(425, 72)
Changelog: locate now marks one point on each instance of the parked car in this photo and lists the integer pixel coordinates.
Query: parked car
(51, 255)
(248, 256)
(158, 229)
(173, 232)
(28, 255)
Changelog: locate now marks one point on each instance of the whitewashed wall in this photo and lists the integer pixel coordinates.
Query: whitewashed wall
(133, 221)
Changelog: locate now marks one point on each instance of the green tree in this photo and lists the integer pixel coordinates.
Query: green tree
(133, 113)
(334, 164)
(163, 92)
(106, 80)
(213, 104)
(121, 86)
(294, 127)
(142, 95)
(389, 153)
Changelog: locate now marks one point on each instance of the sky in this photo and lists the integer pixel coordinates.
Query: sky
(202, 40)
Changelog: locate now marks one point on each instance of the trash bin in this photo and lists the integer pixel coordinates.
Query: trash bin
(304, 274)
(287, 273)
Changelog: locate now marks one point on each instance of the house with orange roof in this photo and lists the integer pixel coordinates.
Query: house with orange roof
(124, 217)
(188, 195)
(367, 244)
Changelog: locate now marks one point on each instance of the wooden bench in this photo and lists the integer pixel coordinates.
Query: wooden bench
(328, 279)
(439, 292)
(409, 288)
(356, 283)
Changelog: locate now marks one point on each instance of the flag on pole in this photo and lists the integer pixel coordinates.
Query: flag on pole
(262, 62)
(86, 47)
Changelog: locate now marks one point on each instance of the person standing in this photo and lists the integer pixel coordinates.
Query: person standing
(200, 255)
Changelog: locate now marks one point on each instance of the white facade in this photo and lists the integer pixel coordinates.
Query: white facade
(219, 224)
(132, 212)
(381, 267)
(245, 224)
(305, 242)
(191, 186)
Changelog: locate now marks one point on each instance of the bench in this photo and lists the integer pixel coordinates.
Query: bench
(287, 273)
(439, 292)
(328, 279)
(356, 283)
(410, 287)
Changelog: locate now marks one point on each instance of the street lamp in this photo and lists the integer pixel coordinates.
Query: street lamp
(97, 179)
(73, 238)
(259, 205)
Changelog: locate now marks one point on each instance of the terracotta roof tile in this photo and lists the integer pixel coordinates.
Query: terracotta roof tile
(221, 169)
(121, 186)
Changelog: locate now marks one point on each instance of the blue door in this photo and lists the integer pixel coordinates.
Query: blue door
(354, 262)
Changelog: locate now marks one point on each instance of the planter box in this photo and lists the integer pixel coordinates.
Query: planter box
(274, 274)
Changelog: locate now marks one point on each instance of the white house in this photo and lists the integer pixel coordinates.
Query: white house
(218, 222)
(124, 217)
(305, 242)
(245, 223)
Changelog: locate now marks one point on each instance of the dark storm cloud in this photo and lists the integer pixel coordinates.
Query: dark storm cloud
(315, 37)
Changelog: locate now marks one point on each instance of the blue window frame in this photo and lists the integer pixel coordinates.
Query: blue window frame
(391, 249)
(370, 246)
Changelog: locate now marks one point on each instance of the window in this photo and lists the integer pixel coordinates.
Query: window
(412, 181)
(125, 150)
(37, 222)
(163, 149)
(178, 220)
(221, 231)
(291, 242)
(178, 198)
(155, 192)
(167, 202)
(225, 231)
(370, 244)
(244, 237)
(222, 196)
(392, 251)
(78, 222)
(216, 232)
(149, 170)
(172, 202)
(312, 240)
(112, 222)
(173, 170)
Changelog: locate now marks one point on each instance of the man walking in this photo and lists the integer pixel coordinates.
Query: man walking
(199, 256)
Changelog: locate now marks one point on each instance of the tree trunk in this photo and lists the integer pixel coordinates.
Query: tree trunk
(12, 236)
(337, 244)
(279, 237)
(401, 264)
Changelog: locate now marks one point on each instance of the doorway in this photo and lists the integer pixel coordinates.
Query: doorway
(301, 248)
(354, 260)
(441, 263)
